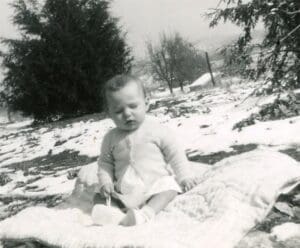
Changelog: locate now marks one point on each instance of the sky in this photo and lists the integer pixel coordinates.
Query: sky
(145, 20)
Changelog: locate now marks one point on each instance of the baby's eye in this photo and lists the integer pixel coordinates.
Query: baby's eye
(133, 106)
(118, 111)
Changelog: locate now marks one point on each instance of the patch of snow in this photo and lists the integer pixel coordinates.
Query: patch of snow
(87, 137)
(16, 177)
(166, 93)
(203, 80)
(285, 231)
(53, 185)
(20, 124)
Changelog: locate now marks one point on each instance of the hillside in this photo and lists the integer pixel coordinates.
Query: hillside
(38, 165)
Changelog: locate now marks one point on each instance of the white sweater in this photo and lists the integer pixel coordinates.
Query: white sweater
(145, 155)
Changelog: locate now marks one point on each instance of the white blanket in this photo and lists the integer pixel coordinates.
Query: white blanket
(234, 195)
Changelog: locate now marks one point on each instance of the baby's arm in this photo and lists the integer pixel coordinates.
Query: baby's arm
(106, 167)
(175, 156)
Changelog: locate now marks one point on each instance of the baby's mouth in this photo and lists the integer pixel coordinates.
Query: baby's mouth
(130, 122)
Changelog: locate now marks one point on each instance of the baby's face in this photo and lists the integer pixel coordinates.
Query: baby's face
(127, 106)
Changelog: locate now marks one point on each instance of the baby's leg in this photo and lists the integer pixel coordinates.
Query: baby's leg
(156, 203)
(159, 201)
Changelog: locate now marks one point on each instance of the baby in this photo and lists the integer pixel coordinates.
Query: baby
(140, 164)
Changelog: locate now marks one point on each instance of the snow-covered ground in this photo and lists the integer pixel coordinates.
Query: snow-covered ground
(30, 157)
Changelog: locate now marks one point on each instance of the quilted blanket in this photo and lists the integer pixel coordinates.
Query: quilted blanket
(233, 196)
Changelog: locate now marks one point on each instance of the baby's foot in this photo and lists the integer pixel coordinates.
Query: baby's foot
(138, 216)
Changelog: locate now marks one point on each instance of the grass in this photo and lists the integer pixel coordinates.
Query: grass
(52, 162)
(218, 156)
(293, 152)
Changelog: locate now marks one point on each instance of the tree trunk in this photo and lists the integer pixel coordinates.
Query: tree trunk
(170, 86)
(9, 114)
(181, 86)
(297, 35)
(298, 76)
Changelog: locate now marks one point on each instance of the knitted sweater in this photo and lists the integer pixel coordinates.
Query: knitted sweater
(148, 153)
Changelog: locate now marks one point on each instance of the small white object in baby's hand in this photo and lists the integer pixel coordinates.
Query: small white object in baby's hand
(106, 214)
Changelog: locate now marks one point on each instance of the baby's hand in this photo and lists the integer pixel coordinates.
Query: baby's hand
(189, 183)
(106, 190)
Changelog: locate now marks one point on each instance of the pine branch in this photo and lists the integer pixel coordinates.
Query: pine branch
(291, 13)
(291, 32)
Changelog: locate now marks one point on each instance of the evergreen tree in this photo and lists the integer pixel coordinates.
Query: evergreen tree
(279, 55)
(66, 51)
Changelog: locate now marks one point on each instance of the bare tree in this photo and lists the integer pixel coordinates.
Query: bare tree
(175, 61)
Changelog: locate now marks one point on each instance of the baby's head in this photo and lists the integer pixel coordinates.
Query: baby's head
(125, 101)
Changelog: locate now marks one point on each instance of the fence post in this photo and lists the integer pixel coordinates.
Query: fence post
(209, 68)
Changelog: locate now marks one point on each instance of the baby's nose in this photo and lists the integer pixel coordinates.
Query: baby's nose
(127, 113)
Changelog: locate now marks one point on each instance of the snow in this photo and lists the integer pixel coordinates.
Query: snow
(166, 93)
(204, 131)
(203, 80)
(20, 124)
(54, 185)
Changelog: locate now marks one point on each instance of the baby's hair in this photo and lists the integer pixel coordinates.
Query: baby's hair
(118, 82)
